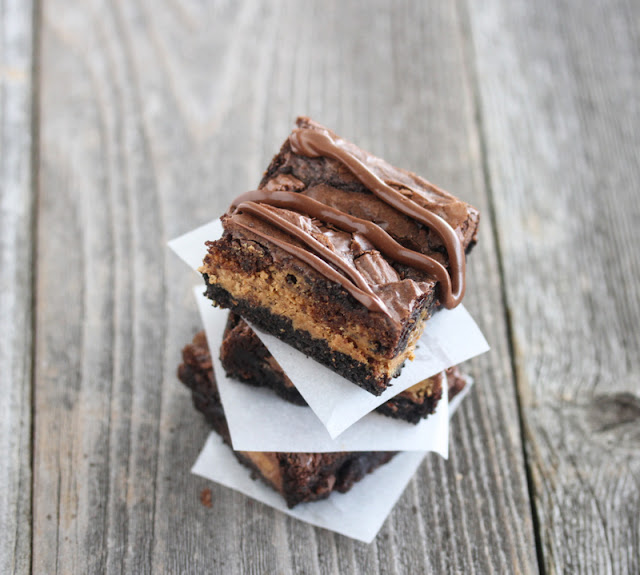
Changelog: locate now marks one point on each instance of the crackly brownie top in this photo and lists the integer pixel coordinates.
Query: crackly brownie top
(386, 235)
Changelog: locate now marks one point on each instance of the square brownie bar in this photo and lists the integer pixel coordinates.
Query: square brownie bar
(245, 358)
(341, 255)
(298, 477)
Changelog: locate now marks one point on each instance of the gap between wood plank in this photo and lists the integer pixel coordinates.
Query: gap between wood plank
(36, 48)
(16, 315)
(469, 60)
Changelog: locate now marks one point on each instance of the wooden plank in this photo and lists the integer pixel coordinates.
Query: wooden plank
(155, 115)
(16, 279)
(559, 84)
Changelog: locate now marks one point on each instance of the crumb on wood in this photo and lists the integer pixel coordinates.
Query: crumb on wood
(205, 497)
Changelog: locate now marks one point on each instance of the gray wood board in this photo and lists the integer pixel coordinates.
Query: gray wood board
(16, 313)
(154, 116)
(559, 85)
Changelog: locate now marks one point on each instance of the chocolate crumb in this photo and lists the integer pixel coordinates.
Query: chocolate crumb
(205, 498)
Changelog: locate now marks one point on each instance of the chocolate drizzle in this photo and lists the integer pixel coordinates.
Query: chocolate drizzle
(314, 143)
(361, 290)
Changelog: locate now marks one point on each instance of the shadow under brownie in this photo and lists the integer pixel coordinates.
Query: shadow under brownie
(341, 255)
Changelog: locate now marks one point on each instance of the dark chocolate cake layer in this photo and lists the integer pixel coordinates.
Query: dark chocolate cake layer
(245, 358)
(341, 255)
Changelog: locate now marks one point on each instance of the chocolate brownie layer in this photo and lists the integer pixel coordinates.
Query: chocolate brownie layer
(343, 255)
(299, 477)
(246, 358)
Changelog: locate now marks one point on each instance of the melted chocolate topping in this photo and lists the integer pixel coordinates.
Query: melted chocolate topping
(313, 143)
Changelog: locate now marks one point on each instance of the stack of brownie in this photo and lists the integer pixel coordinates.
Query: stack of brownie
(345, 258)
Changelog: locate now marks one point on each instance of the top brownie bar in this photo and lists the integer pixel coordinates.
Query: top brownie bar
(341, 255)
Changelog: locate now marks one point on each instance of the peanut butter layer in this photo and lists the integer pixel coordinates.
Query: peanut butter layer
(268, 466)
(279, 291)
(423, 389)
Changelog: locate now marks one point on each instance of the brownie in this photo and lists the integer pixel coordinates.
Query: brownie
(245, 358)
(298, 477)
(341, 255)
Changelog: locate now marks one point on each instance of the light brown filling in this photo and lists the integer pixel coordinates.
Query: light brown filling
(421, 390)
(269, 288)
(268, 465)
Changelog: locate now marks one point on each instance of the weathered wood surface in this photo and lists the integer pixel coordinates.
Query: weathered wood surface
(16, 246)
(153, 115)
(559, 85)
(153, 118)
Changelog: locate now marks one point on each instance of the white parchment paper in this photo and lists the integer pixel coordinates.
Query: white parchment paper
(259, 420)
(190, 246)
(450, 337)
(358, 513)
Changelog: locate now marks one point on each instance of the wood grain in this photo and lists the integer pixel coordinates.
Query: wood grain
(155, 115)
(16, 312)
(559, 87)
